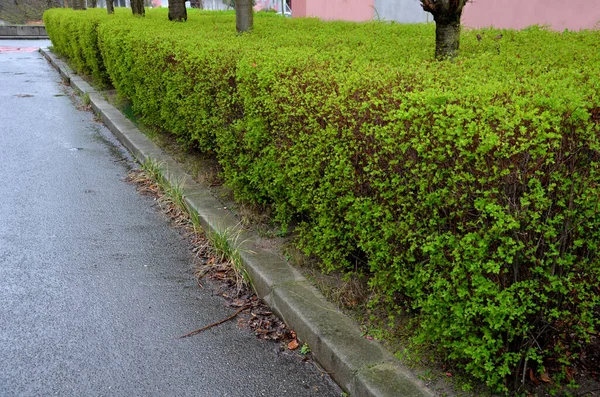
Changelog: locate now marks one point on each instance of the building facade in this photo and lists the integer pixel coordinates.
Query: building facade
(508, 14)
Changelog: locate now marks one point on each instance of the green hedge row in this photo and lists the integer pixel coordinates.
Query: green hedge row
(468, 191)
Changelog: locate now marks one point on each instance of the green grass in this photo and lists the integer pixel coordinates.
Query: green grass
(86, 99)
(227, 244)
(153, 170)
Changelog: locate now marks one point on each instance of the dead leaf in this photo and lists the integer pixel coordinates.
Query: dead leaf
(545, 378)
(449, 374)
(237, 303)
(293, 345)
(570, 372)
(533, 378)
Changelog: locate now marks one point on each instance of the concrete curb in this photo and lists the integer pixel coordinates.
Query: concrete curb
(24, 37)
(25, 32)
(359, 366)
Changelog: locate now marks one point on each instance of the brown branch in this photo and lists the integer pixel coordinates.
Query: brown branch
(429, 6)
(241, 309)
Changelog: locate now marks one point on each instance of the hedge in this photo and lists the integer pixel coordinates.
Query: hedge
(467, 190)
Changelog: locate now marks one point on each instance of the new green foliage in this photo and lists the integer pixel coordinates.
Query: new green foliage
(468, 190)
(76, 38)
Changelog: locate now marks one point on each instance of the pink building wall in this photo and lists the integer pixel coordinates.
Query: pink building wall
(518, 14)
(347, 10)
(509, 14)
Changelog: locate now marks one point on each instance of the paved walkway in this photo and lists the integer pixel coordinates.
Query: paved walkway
(95, 288)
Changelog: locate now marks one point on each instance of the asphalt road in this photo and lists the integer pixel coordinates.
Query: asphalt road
(95, 287)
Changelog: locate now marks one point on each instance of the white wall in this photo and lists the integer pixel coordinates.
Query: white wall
(405, 11)
(214, 5)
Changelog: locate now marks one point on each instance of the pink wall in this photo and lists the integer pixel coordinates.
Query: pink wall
(348, 10)
(518, 14)
(298, 8)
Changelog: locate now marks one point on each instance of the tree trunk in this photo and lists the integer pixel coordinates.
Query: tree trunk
(447, 39)
(78, 4)
(93, 3)
(177, 11)
(110, 7)
(243, 16)
(446, 14)
(137, 7)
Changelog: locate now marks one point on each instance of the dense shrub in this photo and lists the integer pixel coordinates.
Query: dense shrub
(477, 202)
(76, 38)
(468, 191)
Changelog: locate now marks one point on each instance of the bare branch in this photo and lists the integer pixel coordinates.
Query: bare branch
(429, 5)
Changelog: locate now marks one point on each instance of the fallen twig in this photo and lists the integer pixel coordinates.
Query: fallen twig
(241, 309)
(588, 392)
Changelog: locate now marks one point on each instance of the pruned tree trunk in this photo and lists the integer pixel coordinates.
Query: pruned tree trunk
(137, 7)
(110, 7)
(447, 38)
(78, 4)
(244, 18)
(177, 11)
(446, 14)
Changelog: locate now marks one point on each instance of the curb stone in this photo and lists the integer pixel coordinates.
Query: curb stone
(361, 367)
(23, 32)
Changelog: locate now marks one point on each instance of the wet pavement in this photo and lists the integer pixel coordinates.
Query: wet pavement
(95, 287)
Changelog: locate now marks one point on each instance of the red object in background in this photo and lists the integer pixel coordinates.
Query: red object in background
(18, 49)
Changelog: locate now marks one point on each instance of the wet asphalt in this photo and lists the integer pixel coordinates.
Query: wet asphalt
(95, 287)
